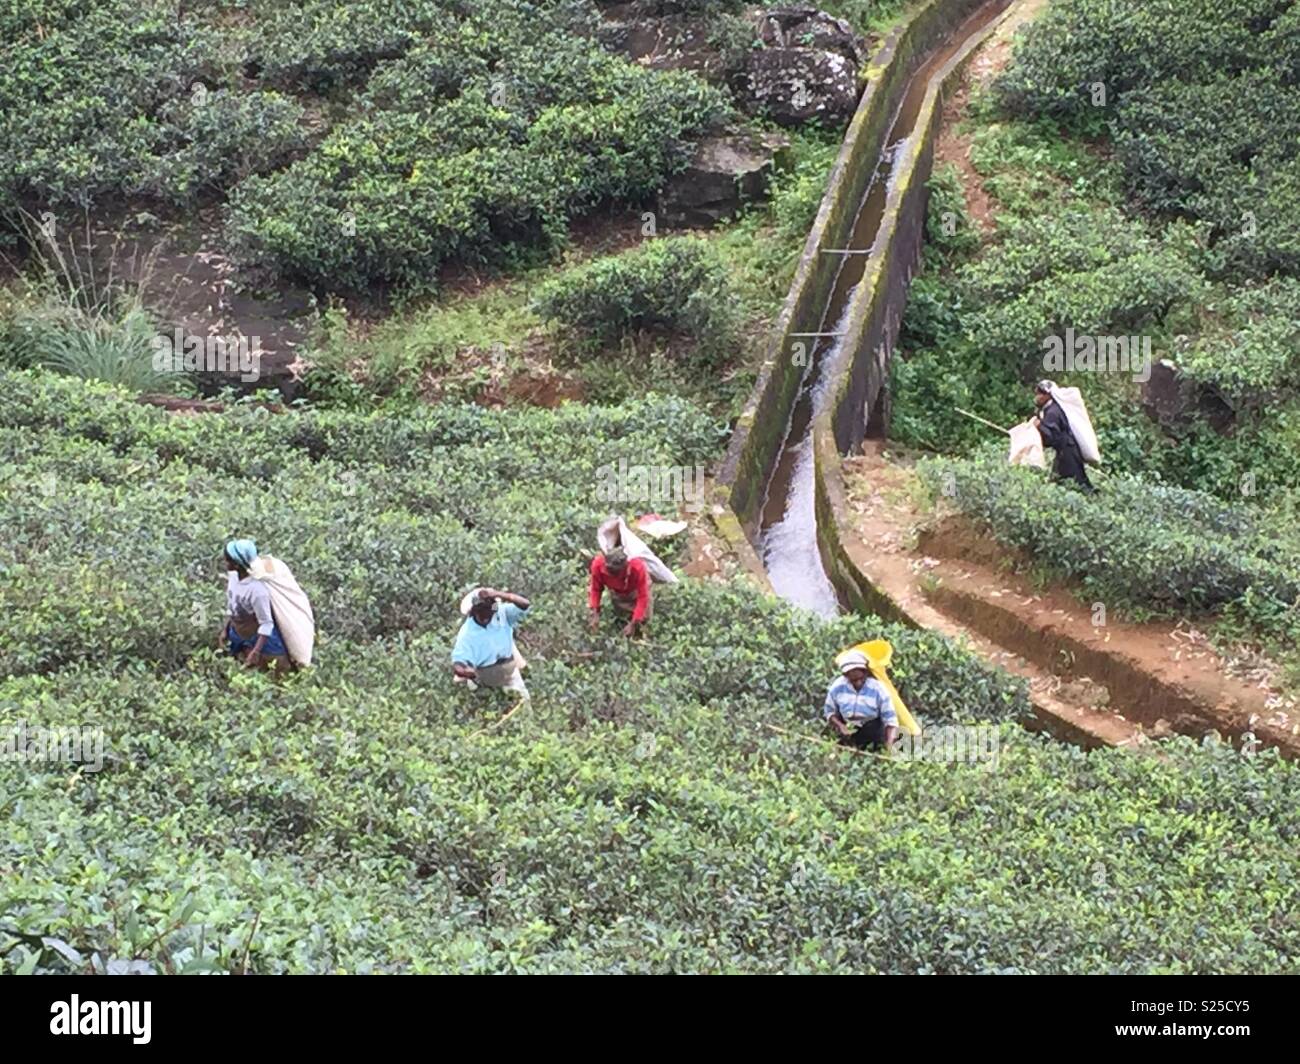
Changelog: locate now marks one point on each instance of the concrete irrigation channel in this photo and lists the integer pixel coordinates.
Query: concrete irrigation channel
(826, 365)
(822, 394)
(787, 522)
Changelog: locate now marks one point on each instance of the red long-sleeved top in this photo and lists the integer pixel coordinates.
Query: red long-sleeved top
(632, 580)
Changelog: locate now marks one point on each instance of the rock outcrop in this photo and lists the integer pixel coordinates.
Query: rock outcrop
(806, 69)
(794, 63)
(725, 172)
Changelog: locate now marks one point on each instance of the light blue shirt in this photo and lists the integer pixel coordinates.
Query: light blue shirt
(483, 645)
(858, 707)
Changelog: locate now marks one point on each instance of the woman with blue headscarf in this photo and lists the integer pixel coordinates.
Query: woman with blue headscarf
(249, 628)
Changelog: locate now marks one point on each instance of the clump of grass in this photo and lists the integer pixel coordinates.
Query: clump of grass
(112, 343)
(80, 321)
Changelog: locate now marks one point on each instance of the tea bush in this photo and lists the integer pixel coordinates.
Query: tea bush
(1135, 542)
(108, 100)
(638, 816)
(1091, 269)
(1248, 346)
(487, 138)
(446, 129)
(1201, 100)
(670, 284)
(318, 46)
(950, 232)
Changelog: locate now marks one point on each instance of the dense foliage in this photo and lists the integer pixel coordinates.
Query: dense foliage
(1134, 542)
(488, 136)
(670, 284)
(1064, 254)
(1202, 98)
(122, 98)
(1139, 163)
(661, 805)
(638, 816)
(446, 129)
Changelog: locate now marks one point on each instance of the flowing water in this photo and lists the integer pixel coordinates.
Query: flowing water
(788, 536)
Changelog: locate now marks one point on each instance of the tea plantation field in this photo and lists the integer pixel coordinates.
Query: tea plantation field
(638, 816)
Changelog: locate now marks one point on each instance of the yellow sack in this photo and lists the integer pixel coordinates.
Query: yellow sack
(879, 653)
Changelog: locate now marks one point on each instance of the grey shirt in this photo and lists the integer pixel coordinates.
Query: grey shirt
(249, 598)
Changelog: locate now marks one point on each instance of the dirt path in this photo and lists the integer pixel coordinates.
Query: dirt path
(1094, 677)
(952, 146)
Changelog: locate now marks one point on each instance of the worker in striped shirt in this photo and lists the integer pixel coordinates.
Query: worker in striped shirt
(859, 707)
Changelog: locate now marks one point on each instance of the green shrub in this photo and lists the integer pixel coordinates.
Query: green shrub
(1201, 100)
(670, 284)
(451, 129)
(480, 143)
(950, 232)
(320, 45)
(125, 98)
(1092, 270)
(1141, 544)
(1249, 344)
(796, 194)
(639, 816)
(214, 136)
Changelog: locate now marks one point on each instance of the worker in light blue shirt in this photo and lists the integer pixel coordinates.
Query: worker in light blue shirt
(859, 707)
(485, 654)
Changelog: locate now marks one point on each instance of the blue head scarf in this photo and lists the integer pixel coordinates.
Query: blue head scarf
(241, 552)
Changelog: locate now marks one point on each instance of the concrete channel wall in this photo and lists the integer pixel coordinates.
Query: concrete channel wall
(857, 379)
(760, 430)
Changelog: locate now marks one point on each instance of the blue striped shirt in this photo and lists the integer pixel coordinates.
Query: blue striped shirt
(858, 707)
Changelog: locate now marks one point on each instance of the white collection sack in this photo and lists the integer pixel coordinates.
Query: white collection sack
(613, 532)
(1026, 446)
(289, 606)
(1071, 401)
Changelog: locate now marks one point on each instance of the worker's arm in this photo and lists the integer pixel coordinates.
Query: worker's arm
(464, 670)
(888, 715)
(832, 714)
(595, 589)
(254, 657)
(508, 596)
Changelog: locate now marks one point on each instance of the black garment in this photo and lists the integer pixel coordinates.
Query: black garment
(1054, 428)
(871, 736)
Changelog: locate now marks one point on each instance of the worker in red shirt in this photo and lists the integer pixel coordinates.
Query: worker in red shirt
(629, 588)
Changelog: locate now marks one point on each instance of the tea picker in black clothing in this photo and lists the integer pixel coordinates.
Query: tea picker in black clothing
(1054, 427)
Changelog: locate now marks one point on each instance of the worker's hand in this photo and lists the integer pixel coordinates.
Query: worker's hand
(253, 660)
(630, 629)
(465, 672)
(1035, 421)
(594, 623)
